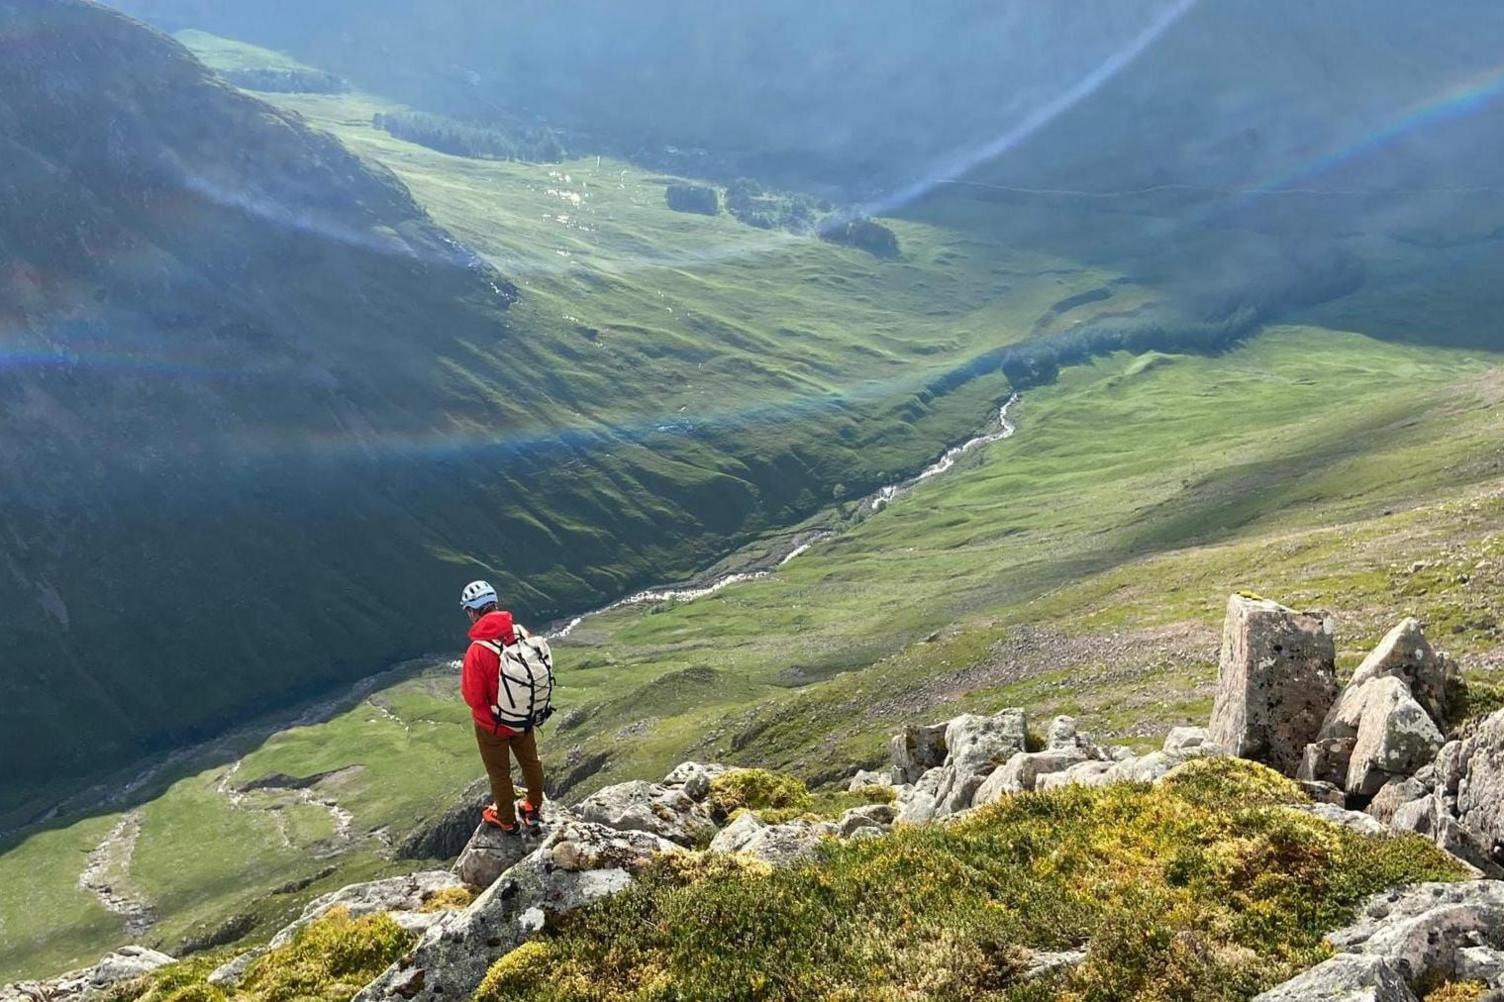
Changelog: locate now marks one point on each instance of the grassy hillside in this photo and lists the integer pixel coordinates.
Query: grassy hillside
(692, 382)
(247, 365)
(1078, 567)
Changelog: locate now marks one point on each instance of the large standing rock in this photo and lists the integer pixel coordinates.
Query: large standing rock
(916, 750)
(1275, 684)
(1396, 736)
(124, 964)
(1406, 654)
(666, 811)
(1408, 938)
(576, 864)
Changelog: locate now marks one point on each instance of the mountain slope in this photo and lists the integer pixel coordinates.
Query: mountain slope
(262, 416)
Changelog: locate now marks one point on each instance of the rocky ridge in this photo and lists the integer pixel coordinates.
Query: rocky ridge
(1371, 754)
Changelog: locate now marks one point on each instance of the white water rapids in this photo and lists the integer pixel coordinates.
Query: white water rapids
(874, 502)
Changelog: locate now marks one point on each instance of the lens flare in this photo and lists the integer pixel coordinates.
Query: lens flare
(1458, 101)
(960, 162)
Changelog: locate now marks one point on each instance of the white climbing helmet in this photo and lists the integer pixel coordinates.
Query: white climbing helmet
(478, 595)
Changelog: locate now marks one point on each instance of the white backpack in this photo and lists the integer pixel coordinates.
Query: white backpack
(525, 687)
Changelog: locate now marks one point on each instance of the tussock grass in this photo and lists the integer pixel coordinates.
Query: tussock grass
(1203, 888)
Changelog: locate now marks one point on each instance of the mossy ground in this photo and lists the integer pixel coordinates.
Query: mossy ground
(328, 961)
(1203, 888)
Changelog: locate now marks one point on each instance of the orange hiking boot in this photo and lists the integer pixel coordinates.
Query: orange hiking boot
(530, 816)
(490, 817)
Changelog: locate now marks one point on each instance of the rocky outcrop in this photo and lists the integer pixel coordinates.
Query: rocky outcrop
(577, 863)
(1461, 803)
(124, 964)
(491, 851)
(669, 812)
(916, 750)
(1276, 681)
(973, 747)
(402, 898)
(398, 896)
(1406, 941)
(1387, 722)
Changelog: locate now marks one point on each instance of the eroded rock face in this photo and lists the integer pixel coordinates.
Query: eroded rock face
(1276, 681)
(1406, 938)
(666, 811)
(976, 745)
(124, 964)
(916, 750)
(1406, 654)
(1396, 736)
(576, 864)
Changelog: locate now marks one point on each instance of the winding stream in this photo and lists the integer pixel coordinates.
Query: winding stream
(120, 791)
(874, 502)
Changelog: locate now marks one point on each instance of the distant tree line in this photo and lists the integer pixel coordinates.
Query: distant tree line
(863, 234)
(286, 81)
(796, 212)
(757, 206)
(699, 198)
(464, 139)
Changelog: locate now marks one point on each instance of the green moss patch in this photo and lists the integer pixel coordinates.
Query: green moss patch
(328, 961)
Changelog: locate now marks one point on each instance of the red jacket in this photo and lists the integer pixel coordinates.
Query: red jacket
(478, 679)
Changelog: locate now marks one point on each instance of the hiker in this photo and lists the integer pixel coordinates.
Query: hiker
(491, 631)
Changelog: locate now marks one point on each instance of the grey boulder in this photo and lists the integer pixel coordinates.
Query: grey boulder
(1396, 736)
(666, 811)
(1424, 934)
(124, 964)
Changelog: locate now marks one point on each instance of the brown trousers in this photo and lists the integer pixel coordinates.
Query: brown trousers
(496, 752)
